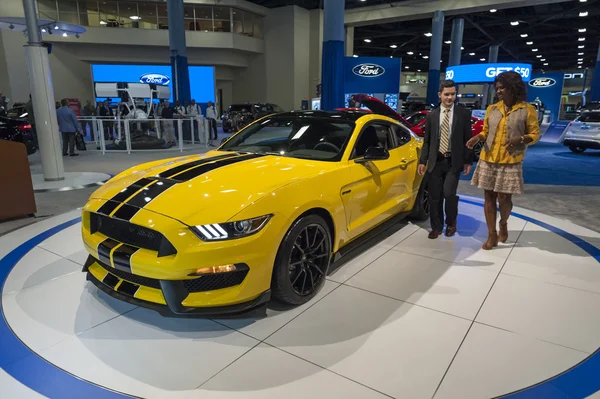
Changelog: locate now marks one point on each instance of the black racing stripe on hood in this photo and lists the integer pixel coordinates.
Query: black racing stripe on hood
(147, 194)
(183, 167)
(112, 204)
(201, 169)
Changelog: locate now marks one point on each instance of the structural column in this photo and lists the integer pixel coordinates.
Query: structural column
(595, 92)
(488, 91)
(332, 65)
(458, 27)
(42, 97)
(435, 55)
(179, 64)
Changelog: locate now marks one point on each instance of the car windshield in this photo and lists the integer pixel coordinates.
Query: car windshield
(316, 138)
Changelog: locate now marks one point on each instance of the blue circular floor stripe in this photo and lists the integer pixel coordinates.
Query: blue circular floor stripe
(22, 363)
(47, 379)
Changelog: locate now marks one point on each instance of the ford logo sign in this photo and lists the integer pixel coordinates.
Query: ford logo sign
(155, 78)
(542, 82)
(368, 70)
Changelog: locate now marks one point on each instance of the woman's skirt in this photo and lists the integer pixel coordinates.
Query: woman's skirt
(500, 178)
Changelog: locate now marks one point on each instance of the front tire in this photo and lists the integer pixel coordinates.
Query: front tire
(420, 211)
(302, 261)
(577, 149)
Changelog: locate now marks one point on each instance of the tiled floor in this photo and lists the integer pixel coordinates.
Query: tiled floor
(407, 317)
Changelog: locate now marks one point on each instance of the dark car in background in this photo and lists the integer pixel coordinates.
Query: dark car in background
(240, 115)
(18, 130)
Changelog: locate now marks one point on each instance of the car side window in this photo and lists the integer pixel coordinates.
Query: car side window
(373, 135)
(403, 136)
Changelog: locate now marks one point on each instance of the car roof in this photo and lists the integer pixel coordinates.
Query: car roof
(352, 116)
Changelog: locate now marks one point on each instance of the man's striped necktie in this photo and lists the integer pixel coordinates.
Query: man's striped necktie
(445, 133)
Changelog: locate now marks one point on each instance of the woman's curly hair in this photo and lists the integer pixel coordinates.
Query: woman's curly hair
(513, 83)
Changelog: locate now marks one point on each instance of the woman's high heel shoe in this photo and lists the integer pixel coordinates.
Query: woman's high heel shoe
(491, 242)
(503, 236)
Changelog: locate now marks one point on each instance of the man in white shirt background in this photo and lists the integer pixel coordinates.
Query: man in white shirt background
(211, 115)
(194, 112)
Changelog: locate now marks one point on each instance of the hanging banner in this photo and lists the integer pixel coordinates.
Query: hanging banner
(485, 73)
(372, 75)
(548, 89)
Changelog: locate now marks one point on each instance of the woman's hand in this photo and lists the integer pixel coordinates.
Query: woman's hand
(513, 141)
(473, 141)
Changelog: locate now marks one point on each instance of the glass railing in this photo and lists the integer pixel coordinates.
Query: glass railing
(150, 15)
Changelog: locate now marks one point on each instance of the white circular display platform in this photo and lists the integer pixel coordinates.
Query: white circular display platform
(72, 181)
(408, 317)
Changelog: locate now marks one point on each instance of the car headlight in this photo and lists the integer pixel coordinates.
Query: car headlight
(231, 230)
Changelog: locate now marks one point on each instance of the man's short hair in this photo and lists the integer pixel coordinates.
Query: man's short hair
(446, 84)
(64, 102)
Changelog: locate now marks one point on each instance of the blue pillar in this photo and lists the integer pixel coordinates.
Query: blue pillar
(435, 55)
(332, 64)
(595, 92)
(179, 64)
(458, 27)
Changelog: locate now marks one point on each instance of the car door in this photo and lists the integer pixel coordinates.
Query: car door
(407, 153)
(371, 196)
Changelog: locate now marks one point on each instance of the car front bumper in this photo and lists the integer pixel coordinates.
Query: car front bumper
(582, 142)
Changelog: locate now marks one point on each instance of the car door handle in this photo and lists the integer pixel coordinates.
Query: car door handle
(403, 161)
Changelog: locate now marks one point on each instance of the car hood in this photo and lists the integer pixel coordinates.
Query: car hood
(379, 107)
(211, 188)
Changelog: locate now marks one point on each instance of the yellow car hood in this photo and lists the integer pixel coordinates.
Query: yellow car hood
(208, 188)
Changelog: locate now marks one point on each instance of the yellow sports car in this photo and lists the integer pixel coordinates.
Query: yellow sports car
(262, 216)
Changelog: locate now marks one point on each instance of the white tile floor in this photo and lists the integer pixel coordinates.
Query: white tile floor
(406, 318)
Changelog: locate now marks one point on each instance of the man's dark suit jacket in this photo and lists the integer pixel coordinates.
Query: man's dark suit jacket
(460, 133)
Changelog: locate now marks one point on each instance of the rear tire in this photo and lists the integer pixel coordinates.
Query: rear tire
(576, 149)
(420, 211)
(302, 261)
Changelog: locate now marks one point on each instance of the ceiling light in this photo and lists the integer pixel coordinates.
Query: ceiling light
(418, 70)
(582, 46)
(534, 50)
(56, 27)
(580, 62)
(425, 56)
(543, 59)
(539, 56)
(582, 30)
(471, 53)
(583, 14)
(44, 30)
(462, 48)
(581, 39)
(493, 10)
(545, 63)
(580, 53)
(391, 56)
(448, 41)
(355, 56)
(409, 53)
(428, 34)
(582, 1)
(135, 17)
(406, 67)
(367, 40)
(482, 59)
(529, 43)
(524, 35)
(64, 34)
(393, 46)
(579, 59)
(579, 67)
(514, 23)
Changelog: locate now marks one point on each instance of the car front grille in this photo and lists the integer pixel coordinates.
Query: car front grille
(132, 278)
(217, 281)
(131, 234)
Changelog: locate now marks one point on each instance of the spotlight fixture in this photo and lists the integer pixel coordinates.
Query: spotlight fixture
(64, 34)
(534, 50)
(581, 46)
(425, 57)
(56, 27)
(406, 67)
(409, 53)
(545, 63)
(428, 34)
(418, 70)
(582, 30)
(391, 56)
(583, 14)
(462, 48)
(580, 62)
(393, 46)
(539, 56)
(482, 59)
(543, 59)
(524, 35)
(355, 56)
(579, 59)
(529, 43)
(579, 53)
(471, 54)
(367, 40)
(514, 23)
(448, 41)
(579, 67)
(44, 30)
(581, 39)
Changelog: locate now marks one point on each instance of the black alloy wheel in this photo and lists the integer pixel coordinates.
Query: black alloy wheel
(422, 205)
(302, 261)
(577, 149)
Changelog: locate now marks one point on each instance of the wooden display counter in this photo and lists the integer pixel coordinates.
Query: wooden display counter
(16, 187)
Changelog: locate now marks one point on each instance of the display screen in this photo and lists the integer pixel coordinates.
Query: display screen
(202, 78)
(485, 73)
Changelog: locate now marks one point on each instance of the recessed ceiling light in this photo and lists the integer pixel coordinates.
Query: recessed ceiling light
(514, 23)
(409, 53)
(579, 59)
(539, 56)
(64, 34)
(529, 43)
(363, 0)
(448, 41)
(367, 40)
(583, 14)
(425, 56)
(582, 30)
(406, 67)
(462, 48)
(534, 50)
(391, 56)
(355, 56)
(543, 59)
(581, 39)
(545, 63)
(393, 46)
(580, 62)
(482, 59)
(493, 10)
(580, 53)
(582, 46)
(579, 67)
(418, 70)
(582, 1)
(135, 17)
(524, 35)
(471, 53)
(428, 34)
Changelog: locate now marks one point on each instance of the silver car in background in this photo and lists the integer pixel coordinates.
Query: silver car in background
(584, 132)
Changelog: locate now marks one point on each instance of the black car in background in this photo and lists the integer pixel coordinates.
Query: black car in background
(18, 130)
(240, 115)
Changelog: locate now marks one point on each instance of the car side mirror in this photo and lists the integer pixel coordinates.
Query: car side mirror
(375, 154)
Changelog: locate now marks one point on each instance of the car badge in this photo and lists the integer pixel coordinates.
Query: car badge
(368, 70)
(155, 78)
(542, 82)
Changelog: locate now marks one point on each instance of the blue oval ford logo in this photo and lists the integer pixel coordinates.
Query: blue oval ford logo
(542, 82)
(155, 78)
(368, 70)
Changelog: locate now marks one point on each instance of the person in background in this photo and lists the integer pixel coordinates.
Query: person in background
(31, 119)
(68, 126)
(211, 115)
(509, 126)
(88, 112)
(193, 111)
(168, 113)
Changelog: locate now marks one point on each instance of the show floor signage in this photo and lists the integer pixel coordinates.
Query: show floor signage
(548, 89)
(372, 75)
(485, 73)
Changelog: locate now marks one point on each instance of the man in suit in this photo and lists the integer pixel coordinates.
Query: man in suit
(444, 157)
